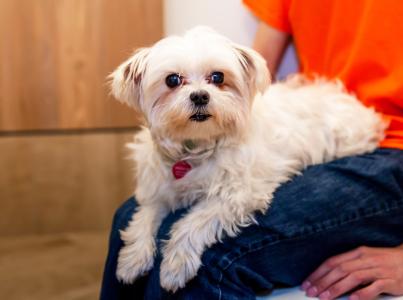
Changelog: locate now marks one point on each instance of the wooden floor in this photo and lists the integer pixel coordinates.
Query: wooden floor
(65, 266)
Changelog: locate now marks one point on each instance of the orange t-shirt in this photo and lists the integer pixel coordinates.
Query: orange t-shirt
(357, 41)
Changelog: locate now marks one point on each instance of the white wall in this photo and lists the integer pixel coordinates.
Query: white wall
(229, 17)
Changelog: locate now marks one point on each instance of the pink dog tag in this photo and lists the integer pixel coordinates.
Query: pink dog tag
(180, 168)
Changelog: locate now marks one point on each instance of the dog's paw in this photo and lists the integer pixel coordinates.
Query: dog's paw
(134, 262)
(177, 268)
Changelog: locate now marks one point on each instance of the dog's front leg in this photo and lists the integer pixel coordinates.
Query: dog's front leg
(203, 226)
(137, 255)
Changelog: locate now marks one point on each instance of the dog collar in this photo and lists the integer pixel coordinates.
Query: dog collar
(180, 169)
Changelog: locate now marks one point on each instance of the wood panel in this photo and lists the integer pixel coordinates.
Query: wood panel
(64, 182)
(56, 54)
(66, 266)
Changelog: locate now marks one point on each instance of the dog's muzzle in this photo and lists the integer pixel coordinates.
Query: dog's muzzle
(200, 99)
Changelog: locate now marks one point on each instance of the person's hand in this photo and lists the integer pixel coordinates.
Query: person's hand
(372, 270)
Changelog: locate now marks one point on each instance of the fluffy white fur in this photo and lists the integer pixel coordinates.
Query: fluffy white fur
(255, 140)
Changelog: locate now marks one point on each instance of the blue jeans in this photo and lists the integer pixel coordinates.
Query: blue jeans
(329, 209)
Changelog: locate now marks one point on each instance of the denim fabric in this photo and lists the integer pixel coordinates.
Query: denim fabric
(329, 209)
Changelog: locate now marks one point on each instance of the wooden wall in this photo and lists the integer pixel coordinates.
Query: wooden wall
(56, 54)
(52, 183)
(62, 156)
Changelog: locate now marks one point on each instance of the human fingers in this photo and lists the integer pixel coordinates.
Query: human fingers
(372, 291)
(329, 265)
(338, 273)
(351, 281)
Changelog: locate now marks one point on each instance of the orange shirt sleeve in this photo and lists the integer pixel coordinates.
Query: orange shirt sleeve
(272, 12)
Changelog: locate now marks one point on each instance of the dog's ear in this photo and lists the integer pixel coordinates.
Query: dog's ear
(255, 69)
(125, 81)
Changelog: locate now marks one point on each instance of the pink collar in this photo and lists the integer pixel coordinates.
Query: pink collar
(180, 169)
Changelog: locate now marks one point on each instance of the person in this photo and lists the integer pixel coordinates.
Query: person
(338, 226)
(345, 40)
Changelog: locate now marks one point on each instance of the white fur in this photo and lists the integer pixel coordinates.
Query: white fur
(256, 139)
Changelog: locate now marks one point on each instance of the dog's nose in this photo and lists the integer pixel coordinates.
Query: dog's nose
(200, 98)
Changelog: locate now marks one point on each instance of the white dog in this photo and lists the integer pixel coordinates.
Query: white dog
(217, 139)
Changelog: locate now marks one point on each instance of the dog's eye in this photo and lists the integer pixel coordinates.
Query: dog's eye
(217, 78)
(173, 80)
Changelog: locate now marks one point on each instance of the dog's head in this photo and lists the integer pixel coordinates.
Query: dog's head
(197, 86)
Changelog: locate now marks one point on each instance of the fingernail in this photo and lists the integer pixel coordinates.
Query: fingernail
(354, 297)
(325, 295)
(305, 285)
(312, 291)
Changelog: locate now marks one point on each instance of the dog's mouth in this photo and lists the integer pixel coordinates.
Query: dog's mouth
(200, 117)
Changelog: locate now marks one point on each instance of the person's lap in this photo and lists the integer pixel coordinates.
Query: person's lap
(329, 209)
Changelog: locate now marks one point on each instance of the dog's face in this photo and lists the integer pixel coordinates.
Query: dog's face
(199, 86)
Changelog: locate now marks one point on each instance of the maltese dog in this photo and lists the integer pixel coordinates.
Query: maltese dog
(217, 139)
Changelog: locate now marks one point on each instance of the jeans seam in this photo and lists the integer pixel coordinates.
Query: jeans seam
(334, 223)
(273, 242)
(219, 287)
